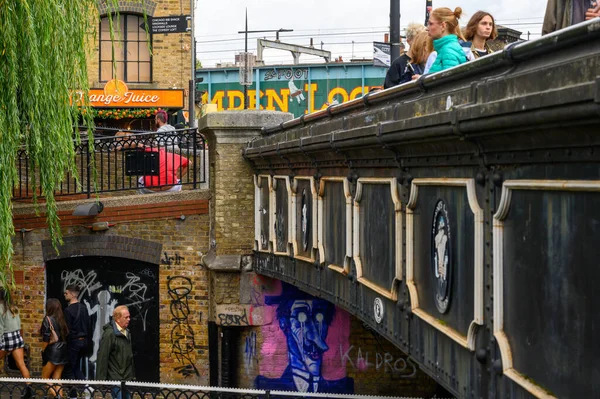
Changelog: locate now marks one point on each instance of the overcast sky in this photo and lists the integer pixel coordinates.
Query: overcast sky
(336, 23)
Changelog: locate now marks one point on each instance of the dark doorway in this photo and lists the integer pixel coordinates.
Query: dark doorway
(105, 283)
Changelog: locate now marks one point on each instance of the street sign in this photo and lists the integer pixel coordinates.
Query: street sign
(173, 24)
(246, 61)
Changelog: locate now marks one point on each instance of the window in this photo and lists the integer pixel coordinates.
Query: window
(131, 54)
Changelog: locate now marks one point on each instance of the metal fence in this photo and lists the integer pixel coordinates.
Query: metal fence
(19, 388)
(142, 161)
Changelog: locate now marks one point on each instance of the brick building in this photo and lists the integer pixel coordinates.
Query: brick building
(152, 70)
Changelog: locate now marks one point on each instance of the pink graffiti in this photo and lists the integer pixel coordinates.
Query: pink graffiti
(274, 351)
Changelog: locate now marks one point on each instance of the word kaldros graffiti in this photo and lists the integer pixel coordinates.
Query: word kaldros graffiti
(385, 362)
(182, 335)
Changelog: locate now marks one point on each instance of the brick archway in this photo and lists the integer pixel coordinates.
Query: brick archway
(104, 245)
(128, 6)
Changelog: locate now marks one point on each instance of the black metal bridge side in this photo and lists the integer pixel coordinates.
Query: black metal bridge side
(457, 215)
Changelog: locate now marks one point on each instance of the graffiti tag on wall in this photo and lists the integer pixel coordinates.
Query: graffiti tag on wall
(182, 335)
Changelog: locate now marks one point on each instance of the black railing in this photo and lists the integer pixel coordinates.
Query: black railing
(18, 388)
(123, 161)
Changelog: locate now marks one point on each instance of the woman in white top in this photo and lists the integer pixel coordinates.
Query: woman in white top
(11, 340)
(479, 30)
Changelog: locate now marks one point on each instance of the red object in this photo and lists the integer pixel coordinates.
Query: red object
(168, 165)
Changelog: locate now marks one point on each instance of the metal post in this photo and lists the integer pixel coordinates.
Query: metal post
(395, 29)
(192, 97)
(428, 9)
(195, 164)
(246, 61)
(89, 186)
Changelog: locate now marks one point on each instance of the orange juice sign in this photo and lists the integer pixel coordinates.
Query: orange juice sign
(116, 94)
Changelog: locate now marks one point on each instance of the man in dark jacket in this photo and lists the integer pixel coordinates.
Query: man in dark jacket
(78, 322)
(115, 355)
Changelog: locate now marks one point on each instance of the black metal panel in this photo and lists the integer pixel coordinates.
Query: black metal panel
(265, 210)
(107, 282)
(461, 263)
(213, 355)
(377, 234)
(334, 223)
(281, 215)
(551, 277)
(305, 220)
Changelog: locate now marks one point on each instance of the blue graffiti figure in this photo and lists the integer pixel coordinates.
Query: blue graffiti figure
(305, 321)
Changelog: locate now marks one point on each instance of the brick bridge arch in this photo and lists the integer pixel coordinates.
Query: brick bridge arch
(104, 245)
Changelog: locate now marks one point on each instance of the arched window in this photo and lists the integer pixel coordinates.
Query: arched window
(134, 63)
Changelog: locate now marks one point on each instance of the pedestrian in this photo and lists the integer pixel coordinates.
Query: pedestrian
(115, 356)
(79, 338)
(54, 333)
(563, 13)
(480, 29)
(419, 52)
(161, 122)
(444, 29)
(11, 340)
(396, 74)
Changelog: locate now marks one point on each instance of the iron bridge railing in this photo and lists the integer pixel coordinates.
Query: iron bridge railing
(19, 388)
(131, 160)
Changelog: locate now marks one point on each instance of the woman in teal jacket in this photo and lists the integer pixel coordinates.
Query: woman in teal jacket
(444, 29)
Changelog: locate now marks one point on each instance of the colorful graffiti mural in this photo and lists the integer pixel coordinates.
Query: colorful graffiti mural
(311, 333)
(298, 89)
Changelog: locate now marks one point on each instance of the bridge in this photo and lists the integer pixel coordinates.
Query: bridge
(456, 215)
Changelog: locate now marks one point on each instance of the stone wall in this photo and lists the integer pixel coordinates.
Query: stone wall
(174, 230)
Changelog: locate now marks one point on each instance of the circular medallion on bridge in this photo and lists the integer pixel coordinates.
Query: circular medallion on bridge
(378, 310)
(441, 259)
(305, 220)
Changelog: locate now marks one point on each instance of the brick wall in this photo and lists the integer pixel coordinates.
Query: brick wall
(234, 191)
(171, 63)
(155, 219)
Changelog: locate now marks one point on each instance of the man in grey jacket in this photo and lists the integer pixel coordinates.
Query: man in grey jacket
(563, 13)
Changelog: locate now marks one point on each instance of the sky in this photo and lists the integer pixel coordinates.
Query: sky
(336, 23)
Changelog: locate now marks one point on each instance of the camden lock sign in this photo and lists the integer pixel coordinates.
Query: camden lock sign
(116, 94)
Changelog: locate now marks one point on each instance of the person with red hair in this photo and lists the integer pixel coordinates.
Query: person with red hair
(444, 30)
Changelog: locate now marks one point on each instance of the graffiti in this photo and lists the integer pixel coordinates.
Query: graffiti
(182, 335)
(228, 320)
(86, 282)
(135, 292)
(250, 349)
(260, 285)
(148, 273)
(385, 362)
(287, 73)
(104, 309)
(305, 322)
(171, 260)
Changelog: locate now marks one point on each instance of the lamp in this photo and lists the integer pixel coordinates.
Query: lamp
(90, 209)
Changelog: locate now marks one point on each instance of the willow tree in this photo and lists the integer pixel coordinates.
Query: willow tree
(43, 46)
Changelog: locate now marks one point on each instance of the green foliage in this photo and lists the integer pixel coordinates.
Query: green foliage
(43, 47)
